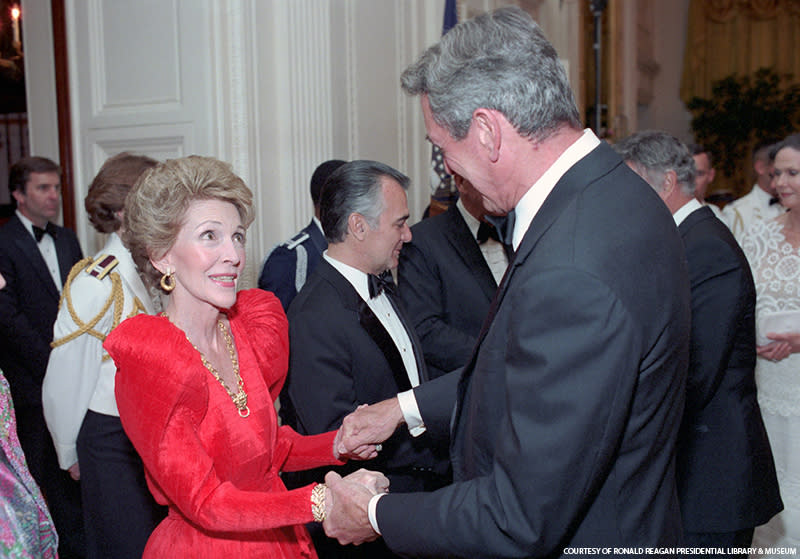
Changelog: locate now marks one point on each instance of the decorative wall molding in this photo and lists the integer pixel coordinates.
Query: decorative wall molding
(119, 56)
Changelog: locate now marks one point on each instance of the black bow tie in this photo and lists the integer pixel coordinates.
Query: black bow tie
(50, 229)
(487, 231)
(504, 225)
(773, 201)
(379, 284)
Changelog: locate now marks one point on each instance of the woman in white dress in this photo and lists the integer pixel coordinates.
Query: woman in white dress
(773, 249)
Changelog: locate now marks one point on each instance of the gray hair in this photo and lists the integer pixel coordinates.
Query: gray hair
(653, 153)
(355, 187)
(501, 61)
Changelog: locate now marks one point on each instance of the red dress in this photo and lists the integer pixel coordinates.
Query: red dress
(217, 472)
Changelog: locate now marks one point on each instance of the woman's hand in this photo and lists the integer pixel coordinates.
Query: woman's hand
(782, 346)
(375, 482)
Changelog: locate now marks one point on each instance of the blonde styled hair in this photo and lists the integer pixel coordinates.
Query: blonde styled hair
(156, 207)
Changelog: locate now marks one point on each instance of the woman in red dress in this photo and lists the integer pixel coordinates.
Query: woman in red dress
(196, 385)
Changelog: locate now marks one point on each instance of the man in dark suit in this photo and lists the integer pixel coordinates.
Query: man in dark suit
(567, 413)
(349, 342)
(447, 277)
(726, 476)
(35, 259)
(290, 264)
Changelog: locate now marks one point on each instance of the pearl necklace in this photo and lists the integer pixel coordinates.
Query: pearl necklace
(240, 396)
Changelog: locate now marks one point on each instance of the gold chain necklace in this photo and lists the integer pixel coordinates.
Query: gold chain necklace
(240, 397)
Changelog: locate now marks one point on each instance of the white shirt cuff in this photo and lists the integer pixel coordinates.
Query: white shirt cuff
(411, 414)
(372, 511)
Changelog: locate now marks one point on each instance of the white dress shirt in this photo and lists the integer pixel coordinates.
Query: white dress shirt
(684, 211)
(47, 247)
(385, 312)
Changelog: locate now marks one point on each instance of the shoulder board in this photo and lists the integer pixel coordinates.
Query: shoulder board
(298, 239)
(102, 266)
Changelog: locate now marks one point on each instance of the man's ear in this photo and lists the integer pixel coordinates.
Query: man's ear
(488, 129)
(18, 196)
(669, 184)
(357, 226)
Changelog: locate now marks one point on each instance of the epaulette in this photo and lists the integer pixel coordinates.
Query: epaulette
(99, 269)
(102, 266)
(298, 239)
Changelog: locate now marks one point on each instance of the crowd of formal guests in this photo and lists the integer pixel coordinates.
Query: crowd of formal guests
(579, 353)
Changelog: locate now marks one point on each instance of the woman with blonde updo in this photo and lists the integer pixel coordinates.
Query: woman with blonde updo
(196, 385)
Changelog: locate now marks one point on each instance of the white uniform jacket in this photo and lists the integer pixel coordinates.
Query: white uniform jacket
(100, 293)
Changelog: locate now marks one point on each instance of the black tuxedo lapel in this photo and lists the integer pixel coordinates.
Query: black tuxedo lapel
(596, 164)
(28, 247)
(371, 324)
(459, 235)
(416, 345)
(63, 250)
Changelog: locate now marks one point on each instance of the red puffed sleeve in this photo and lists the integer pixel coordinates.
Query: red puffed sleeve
(162, 398)
(267, 330)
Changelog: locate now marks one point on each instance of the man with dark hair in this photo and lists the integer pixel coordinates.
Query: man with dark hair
(36, 256)
(563, 423)
(726, 477)
(447, 277)
(290, 264)
(704, 163)
(349, 342)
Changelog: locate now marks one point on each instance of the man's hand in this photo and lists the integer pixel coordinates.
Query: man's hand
(74, 472)
(368, 426)
(347, 519)
(363, 452)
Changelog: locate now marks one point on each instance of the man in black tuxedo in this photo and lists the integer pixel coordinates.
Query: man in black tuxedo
(349, 342)
(447, 277)
(567, 413)
(35, 259)
(726, 476)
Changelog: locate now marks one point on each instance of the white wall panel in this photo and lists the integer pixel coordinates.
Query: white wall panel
(140, 75)
(127, 45)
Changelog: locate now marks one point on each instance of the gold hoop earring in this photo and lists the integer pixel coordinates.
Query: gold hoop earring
(168, 281)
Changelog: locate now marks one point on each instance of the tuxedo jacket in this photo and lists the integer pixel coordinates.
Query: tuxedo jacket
(446, 287)
(28, 306)
(290, 264)
(725, 471)
(341, 356)
(567, 413)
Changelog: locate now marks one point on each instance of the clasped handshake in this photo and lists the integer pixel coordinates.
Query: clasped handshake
(347, 499)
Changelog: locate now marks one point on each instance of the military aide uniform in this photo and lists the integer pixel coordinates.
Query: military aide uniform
(80, 407)
(289, 264)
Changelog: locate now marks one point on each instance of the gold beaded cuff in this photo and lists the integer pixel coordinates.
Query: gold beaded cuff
(318, 502)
